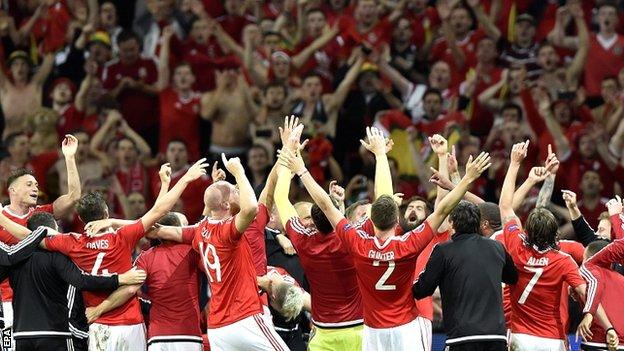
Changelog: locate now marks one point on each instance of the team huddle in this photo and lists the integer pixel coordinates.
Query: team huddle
(504, 283)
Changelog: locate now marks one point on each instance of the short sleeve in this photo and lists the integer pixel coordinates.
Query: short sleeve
(188, 234)
(346, 233)
(62, 243)
(512, 233)
(419, 238)
(571, 273)
(227, 233)
(131, 233)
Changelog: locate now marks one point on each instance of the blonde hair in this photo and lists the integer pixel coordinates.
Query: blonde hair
(289, 300)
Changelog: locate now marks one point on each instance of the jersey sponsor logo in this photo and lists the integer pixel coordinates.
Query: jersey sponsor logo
(98, 245)
(540, 262)
(381, 256)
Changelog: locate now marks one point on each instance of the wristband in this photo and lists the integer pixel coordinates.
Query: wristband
(609, 329)
(300, 174)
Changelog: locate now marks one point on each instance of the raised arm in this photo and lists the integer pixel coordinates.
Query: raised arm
(66, 202)
(545, 194)
(562, 144)
(143, 147)
(164, 73)
(614, 207)
(248, 202)
(340, 94)
(580, 58)
(301, 58)
(379, 146)
(44, 70)
(165, 203)
(444, 11)
(474, 168)
(80, 102)
(484, 20)
(295, 163)
(488, 97)
(210, 101)
(518, 153)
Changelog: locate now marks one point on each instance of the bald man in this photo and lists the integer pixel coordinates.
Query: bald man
(225, 240)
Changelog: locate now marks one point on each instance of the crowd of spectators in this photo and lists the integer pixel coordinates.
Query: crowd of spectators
(144, 82)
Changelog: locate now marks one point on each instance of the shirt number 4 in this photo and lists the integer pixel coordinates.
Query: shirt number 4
(381, 283)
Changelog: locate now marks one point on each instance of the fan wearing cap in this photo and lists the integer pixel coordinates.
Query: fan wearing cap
(20, 93)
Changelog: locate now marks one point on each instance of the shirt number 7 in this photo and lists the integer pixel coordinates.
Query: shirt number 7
(537, 273)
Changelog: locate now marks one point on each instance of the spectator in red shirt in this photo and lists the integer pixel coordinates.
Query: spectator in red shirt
(131, 81)
(192, 197)
(366, 28)
(179, 104)
(457, 47)
(609, 113)
(62, 93)
(235, 18)
(424, 20)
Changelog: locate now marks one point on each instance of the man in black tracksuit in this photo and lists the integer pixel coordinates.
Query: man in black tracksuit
(40, 284)
(469, 270)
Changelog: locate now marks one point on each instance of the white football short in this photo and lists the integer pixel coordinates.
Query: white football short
(413, 336)
(116, 337)
(254, 333)
(175, 343)
(525, 342)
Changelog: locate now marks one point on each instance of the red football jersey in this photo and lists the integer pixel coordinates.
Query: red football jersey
(385, 271)
(536, 298)
(617, 227)
(425, 306)
(603, 62)
(606, 287)
(226, 260)
(179, 119)
(7, 238)
(255, 237)
(138, 108)
(173, 289)
(441, 52)
(105, 254)
(328, 266)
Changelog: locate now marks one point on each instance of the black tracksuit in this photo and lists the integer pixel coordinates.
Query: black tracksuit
(40, 301)
(469, 270)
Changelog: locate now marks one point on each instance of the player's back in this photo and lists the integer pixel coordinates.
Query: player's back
(536, 297)
(329, 268)
(173, 289)
(227, 261)
(385, 272)
(607, 288)
(104, 254)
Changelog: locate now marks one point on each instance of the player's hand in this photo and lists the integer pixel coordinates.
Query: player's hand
(132, 277)
(584, 328)
(290, 123)
(217, 173)
(197, 170)
(233, 165)
(538, 174)
(398, 198)
(69, 146)
(165, 173)
(439, 144)
(168, 32)
(291, 160)
(438, 179)
(612, 340)
(93, 228)
(376, 142)
(570, 198)
(614, 206)
(336, 192)
(552, 163)
(519, 152)
(451, 161)
(286, 244)
(475, 167)
(92, 314)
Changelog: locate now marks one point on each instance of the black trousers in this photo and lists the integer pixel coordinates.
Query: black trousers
(42, 344)
(294, 340)
(80, 344)
(480, 346)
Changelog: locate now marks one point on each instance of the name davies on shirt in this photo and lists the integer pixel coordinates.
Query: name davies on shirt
(381, 256)
(98, 245)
